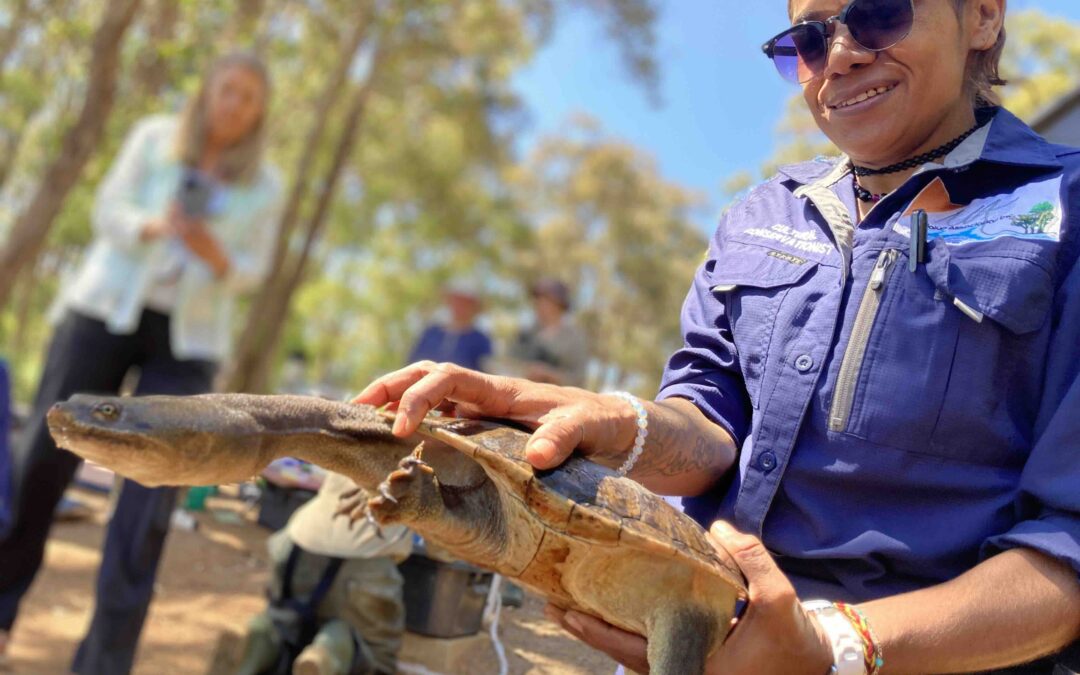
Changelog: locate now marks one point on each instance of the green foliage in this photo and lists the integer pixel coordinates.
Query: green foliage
(429, 192)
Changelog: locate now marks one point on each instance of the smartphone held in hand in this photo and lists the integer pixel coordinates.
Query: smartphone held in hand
(194, 193)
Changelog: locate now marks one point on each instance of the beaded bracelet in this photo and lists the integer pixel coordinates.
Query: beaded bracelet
(642, 430)
(875, 657)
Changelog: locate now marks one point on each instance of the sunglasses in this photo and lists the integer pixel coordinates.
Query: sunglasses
(800, 52)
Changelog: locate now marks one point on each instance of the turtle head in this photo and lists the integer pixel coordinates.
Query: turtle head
(158, 440)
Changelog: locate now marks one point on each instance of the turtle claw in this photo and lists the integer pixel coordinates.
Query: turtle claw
(375, 524)
(407, 492)
(352, 504)
(384, 491)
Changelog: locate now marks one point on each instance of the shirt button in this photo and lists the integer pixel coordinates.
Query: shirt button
(766, 461)
(804, 363)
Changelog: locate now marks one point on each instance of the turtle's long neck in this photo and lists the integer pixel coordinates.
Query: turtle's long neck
(351, 440)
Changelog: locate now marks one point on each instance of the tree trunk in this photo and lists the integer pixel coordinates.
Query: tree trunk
(24, 303)
(32, 226)
(250, 369)
(273, 292)
(9, 150)
(290, 215)
(243, 28)
(10, 35)
(151, 68)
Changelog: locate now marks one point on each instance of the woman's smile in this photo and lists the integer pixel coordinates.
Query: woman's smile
(870, 95)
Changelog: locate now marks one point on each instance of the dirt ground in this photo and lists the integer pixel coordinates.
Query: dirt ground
(211, 581)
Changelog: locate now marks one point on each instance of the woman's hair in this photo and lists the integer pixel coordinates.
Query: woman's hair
(241, 161)
(983, 68)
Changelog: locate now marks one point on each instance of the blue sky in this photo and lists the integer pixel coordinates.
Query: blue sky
(721, 96)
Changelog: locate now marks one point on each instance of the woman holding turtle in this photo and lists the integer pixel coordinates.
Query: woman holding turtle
(876, 399)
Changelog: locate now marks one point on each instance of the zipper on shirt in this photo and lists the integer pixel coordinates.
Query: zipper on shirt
(844, 395)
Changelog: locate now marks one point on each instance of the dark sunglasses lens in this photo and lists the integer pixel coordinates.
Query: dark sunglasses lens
(799, 54)
(880, 24)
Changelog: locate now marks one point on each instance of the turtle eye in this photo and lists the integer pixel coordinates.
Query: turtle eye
(107, 412)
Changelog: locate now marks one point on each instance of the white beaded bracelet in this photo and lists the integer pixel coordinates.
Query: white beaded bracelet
(642, 430)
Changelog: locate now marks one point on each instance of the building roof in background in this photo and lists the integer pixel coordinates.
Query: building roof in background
(1049, 115)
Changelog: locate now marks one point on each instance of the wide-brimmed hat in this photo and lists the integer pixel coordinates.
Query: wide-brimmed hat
(463, 288)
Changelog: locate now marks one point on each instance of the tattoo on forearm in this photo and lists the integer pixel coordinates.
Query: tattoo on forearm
(676, 447)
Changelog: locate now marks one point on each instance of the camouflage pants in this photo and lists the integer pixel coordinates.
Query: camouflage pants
(366, 596)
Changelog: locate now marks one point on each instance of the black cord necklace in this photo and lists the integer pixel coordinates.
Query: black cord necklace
(866, 196)
(918, 160)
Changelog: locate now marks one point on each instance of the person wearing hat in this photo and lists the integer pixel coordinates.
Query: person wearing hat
(458, 340)
(554, 349)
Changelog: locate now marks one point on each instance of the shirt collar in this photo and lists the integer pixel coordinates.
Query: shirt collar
(1005, 139)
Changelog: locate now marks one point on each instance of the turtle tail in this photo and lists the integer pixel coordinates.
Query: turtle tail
(681, 639)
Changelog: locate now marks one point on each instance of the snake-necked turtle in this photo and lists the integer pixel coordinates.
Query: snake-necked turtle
(579, 535)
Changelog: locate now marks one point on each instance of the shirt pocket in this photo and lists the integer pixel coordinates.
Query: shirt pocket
(752, 282)
(941, 366)
(993, 393)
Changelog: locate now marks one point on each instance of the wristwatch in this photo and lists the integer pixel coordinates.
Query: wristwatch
(847, 644)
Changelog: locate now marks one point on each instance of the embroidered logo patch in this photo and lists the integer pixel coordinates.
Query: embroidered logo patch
(787, 257)
(1032, 211)
(800, 240)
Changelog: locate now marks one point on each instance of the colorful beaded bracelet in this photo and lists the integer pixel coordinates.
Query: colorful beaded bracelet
(875, 657)
(642, 429)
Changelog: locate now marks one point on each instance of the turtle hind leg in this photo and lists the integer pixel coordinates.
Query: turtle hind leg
(681, 639)
(409, 494)
(466, 518)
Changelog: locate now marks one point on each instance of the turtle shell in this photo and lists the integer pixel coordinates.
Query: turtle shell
(583, 499)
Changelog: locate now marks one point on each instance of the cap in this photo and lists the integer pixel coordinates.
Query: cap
(552, 288)
(463, 288)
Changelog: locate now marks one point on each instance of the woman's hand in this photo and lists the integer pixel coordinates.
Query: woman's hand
(199, 241)
(564, 418)
(774, 635)
(155, 229)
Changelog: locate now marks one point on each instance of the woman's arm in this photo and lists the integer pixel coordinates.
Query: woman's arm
(684, 453)
(1013, 608)
(117, 214)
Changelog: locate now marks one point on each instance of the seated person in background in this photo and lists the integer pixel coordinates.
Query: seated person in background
(336, 604)
(458, 340)
(554, 349)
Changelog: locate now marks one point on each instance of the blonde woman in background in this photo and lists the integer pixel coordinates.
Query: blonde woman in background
(183, 222)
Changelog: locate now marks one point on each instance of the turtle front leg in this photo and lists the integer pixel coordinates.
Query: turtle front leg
(468, 520)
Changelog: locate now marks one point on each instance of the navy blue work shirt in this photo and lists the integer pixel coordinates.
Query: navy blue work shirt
(437, 343)
(896, 427)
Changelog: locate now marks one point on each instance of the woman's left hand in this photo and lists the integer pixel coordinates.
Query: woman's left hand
(774, 635)
(200, 242)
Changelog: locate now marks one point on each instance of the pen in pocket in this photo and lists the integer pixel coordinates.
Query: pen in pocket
(917, 250)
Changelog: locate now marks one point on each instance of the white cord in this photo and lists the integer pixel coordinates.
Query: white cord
(415, 669)
(491, 614)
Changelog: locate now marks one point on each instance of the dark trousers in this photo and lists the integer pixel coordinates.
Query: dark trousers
(85, 357)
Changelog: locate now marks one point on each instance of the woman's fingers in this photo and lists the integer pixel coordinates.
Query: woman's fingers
(554, 440)
(766, 583)
(626, 648)
(564, 418)
(424, 386)
(390, 387)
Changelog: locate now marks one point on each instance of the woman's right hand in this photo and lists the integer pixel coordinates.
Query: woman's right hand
(562, 418)
(155, 229)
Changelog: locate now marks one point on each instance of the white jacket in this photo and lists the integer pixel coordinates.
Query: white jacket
(117, 270)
